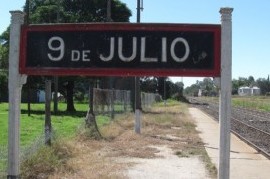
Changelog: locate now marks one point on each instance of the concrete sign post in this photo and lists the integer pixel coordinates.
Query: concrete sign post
(15, 82)
(225, 93)
(138, 105)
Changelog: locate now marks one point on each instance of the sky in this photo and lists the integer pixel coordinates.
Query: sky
(250, 27)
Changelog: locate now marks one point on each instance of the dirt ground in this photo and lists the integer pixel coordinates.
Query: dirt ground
(163, 150)
(167, 166)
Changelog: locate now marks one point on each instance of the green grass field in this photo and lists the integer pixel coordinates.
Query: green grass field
(33, 126)
(65, 125)
(261, 103)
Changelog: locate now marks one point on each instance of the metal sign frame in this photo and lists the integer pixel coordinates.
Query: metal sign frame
(158, 69)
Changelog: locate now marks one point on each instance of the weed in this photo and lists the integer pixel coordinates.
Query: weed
(46, 160)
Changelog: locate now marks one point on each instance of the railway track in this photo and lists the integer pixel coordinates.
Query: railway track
(251, 126)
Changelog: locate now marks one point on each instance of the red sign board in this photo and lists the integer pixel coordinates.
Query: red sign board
(121, 49)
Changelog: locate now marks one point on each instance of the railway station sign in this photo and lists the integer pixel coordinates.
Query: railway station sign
(121, 49)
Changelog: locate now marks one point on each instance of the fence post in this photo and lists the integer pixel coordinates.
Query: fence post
(55, 96)
(48, 124)
(125, 100)
(91, 97)
(112, 92)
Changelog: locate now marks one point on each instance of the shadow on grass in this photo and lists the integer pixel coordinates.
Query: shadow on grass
(59, 113)
(160, 112)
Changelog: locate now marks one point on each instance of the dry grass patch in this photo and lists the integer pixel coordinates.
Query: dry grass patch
(48, 160)
(161, 126)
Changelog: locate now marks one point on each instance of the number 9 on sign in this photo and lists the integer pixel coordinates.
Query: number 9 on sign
(56, 44)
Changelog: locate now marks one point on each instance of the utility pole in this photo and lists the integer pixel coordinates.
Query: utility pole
(109, 10)
(138, 106)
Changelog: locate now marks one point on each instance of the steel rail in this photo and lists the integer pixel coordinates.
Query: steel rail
(256, 147)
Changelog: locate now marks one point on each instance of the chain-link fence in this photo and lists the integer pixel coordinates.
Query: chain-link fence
(106, 101)
(148, 99)
(3, 161)
(25, 153)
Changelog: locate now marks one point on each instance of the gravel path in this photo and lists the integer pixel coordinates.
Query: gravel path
(167, 165)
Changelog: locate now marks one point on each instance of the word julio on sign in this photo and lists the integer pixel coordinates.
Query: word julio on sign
(123, 49)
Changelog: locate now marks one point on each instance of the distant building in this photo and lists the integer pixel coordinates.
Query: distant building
(35, 96)
(249, 91)
(40, 96)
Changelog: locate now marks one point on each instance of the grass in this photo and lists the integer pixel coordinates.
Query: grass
(169, 102)
(260, 103)
(32, 126)
(64, 125)
(46, 160)
(103, 120)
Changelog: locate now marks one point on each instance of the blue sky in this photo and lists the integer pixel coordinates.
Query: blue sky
(251, 27)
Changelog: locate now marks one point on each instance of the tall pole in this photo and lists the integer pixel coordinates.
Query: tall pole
(55, 78)
(137, 86)
(138, 11)
(15, 82)
(109, 10)
(225, 93)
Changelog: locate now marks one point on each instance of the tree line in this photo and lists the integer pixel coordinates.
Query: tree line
(209, 88)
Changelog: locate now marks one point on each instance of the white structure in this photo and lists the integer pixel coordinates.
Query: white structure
(249, 91)
(41, 96)
(200, 93)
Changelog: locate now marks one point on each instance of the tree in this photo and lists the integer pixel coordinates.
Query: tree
(149, 84)
(241, 82)
(251, 81)
(3, 85)
(4, 50)
(264, 85)
(95, 11)
(161, 82)
(173, 89)
(76, 11)
(192, 90)
(235, 87)
(207, 86)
